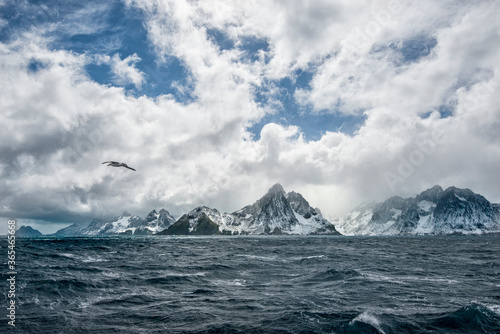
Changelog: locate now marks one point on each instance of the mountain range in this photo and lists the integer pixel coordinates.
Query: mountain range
(277, 212)
(125, 224)
(433, 212)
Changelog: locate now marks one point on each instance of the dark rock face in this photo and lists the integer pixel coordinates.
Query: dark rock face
(205, 226)
(461, 209)
(180, 227)
(28, 231)
(196, 222)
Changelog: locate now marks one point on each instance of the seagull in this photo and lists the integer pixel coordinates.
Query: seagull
(117, 164)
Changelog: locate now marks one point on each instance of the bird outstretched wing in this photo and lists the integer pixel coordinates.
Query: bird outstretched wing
(118, 164)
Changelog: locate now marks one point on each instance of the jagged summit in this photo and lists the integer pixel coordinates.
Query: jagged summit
(434, 211)
(124, 224)
(274, 213)
(151, 216)
(276, 189)
(270, 214)
(431, 194)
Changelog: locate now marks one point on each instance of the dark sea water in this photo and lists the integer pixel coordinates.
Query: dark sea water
(271, 284)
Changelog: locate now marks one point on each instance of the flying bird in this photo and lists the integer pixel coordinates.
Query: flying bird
(117, 164)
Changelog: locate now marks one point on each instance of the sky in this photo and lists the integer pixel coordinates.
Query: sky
(213, 102)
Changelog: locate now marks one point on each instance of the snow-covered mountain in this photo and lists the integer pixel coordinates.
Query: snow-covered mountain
(74, 229)
(275, 213)
(124, 224)
(154, 223)
(434, 211)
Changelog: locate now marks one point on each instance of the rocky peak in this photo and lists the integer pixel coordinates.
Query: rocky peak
(151, 216)
(275, 197)
(164, 215)
(463, 203)
(432, 195)
(276, 189)
(433, 211)
(269, 212)
(156, 220)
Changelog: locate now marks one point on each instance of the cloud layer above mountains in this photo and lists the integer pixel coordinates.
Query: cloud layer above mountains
(214, 101)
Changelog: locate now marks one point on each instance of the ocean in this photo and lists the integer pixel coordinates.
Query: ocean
(256, 284)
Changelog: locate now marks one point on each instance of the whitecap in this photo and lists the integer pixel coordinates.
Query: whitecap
(111, 274)
(265, 258)
(94, 259)
(370, 319)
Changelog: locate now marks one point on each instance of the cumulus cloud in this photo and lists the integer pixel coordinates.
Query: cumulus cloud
(123, 70)
(424, 77)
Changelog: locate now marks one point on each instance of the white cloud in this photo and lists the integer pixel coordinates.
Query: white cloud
(58, 125)
(125, 71)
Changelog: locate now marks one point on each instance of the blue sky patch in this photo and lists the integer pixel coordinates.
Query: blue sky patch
(445, 111)
(252, 47)
(35, 66)
(408, 51)
(414, 49)
(220, 38)
(312, 124)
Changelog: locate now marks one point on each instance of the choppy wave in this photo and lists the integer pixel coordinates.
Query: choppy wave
(259, 285)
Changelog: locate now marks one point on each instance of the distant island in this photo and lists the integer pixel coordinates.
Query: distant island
(433, 212)
(28, 231)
